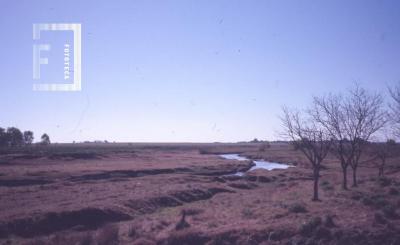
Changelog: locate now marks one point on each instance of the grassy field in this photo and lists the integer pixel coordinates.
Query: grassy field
(184, 193)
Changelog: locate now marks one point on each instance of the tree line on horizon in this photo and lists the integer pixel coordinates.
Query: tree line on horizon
(14, 137)
(344, 125)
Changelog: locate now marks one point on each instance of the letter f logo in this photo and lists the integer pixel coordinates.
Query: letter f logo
(38, 60)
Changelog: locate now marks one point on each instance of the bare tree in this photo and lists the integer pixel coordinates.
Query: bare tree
(351, 121)
(395, 109)
(310, 138)
(366, 116)
(328, 112)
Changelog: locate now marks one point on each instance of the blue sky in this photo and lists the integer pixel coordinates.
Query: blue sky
(198, 71)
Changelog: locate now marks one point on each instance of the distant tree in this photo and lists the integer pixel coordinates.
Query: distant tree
(14, 136)
(3, 137)
(310, 138)
(255, 140)
(383, 151)
(395, 109)
(45, 139)
(28, 137)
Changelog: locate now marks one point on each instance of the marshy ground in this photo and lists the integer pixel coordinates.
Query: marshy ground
(185, 194)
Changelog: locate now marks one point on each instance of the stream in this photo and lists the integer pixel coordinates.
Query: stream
(259, 164)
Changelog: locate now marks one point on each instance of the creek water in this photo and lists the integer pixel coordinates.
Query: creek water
(259, 164)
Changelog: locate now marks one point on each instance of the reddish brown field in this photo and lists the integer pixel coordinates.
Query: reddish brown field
(138, 193)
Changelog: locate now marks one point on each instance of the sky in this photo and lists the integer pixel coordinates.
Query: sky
(191, 71)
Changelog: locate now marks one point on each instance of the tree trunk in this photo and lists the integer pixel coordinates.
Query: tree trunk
(344, 184)
(355, 177)
(316, 179)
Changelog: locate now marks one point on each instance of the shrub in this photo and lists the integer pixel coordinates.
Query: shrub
(326, 186)
(297, 208)
(264, 179)
(379, 218)
(356, 196)
(308, 227)
(193, 211)
(247, 213)
(328, 221)
(389, 211)
(384, 181)
(380, 201)
(393, 191)
(325, 182)
(367, 201)
(323, 233)
(203, 151)
(278, 216)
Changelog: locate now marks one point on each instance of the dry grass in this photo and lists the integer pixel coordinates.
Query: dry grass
(152, 184)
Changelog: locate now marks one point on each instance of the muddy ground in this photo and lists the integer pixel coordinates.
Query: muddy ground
(185, 194)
